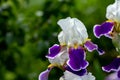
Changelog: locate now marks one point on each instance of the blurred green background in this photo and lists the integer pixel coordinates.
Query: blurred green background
(29, 27)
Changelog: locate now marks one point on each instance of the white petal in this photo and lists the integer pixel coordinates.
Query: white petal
(61, 58)
(113, 11)
(61, 38)
(89, 76)
(70, 76)
(74, 30)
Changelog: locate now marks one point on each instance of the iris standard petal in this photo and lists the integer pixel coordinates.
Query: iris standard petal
(53, 51)
(79, 73)
(44, 75)
(77, 59)
(74, 31)
(113, 66)
(103, 29)
(113, 11)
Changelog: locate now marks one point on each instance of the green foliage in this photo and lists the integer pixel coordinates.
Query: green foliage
(29, 27)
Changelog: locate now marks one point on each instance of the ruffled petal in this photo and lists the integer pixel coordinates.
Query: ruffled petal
(103, 29)
(53, 51)
(74, 31)
(113, 66)
(77, 59)
(79, 73)
(113, 11)
(91, 47)
(44, 75)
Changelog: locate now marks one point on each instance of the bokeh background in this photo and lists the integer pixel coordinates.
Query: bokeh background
(29, 27)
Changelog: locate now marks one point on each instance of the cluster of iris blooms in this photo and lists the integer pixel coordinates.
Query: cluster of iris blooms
(70, 54)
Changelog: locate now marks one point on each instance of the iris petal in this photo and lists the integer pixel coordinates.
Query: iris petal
(91, 47)
(79, 73)
(77, 59)
(44, 75)
(113, 66)
(103, 29)
(118, 74)
(53, 51)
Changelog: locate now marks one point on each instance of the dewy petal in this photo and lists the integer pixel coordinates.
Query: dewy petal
(113, 66)
(77, 59)
(73, 30)
(91, 47)
(103, 29)
(79, 73)
(53, 51)
(44, 75)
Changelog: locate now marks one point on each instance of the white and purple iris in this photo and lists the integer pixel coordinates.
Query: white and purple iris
(112, 26)
(111, 29)
(70, 55)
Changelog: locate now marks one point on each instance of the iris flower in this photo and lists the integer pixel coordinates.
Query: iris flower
(111, 27)
(70, 55)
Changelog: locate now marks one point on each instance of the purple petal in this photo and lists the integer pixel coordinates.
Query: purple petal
(77, 59)
(118, 74)
(113, 66)
(53, 51)
(79, 73)
(103, 29)
(44, 74)
(91, 47)
(100, 51)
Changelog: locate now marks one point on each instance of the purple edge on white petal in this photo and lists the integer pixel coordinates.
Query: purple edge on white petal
(53, 51)
(91, 47)
(113, 66)
(100, 51)
(44, 75)
(79, 73)
(103, 29)
(76, 59)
